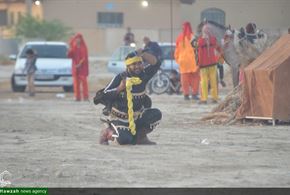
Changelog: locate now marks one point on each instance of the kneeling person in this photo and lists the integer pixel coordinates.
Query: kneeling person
(130, 119)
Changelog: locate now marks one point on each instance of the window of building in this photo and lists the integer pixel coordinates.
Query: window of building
(213, 14)
(3, 17)
(110, 19)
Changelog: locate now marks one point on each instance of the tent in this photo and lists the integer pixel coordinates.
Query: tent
(266, 88)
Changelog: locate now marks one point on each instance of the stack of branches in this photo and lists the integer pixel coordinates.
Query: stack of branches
(225, 112)
(246, 52)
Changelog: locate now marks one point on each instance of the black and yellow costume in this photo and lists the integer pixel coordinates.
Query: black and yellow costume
(143, 116)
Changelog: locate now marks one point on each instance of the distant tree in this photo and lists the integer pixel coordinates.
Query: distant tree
(30, 27)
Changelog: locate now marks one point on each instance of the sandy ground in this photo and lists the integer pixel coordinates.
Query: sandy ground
(52, 141)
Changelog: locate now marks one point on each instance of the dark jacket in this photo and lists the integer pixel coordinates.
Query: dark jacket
(30, 65)
(154, 49)
(119, 101)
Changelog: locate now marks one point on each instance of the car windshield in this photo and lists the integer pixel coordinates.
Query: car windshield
(167, 52)
(47, 51)
(121, 53)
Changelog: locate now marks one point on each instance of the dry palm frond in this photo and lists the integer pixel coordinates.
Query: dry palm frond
(225, 112)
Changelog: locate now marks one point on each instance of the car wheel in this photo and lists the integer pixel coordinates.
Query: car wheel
(68, 88)
(16, 88)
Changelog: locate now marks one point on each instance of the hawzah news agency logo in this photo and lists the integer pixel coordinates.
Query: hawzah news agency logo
(3, 181)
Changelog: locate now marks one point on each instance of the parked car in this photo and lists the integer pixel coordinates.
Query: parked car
(169, 62)
(116, 64)
(53, 66)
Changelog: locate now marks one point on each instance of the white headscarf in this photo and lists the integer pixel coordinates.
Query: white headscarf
(206, 35)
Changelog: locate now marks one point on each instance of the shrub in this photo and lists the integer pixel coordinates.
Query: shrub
(30, 27)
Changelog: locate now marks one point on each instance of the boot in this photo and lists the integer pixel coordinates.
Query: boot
(186, 97)
(142, 138)
(195, 97)
(145, 141)
(105, 136)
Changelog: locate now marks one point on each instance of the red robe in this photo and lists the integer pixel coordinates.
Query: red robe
(206, 53)
(79, 55)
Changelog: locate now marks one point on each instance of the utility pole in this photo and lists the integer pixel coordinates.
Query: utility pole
(28, 7)
(171, 33)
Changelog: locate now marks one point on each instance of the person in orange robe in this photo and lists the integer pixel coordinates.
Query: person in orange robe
(80, 66)
(185, 58)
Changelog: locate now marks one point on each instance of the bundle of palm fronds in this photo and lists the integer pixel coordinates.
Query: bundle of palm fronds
(239, 52)
(225, 112)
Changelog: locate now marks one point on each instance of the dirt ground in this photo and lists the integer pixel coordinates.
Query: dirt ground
(52, 141)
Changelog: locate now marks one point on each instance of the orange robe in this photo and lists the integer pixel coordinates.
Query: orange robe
(185, 58)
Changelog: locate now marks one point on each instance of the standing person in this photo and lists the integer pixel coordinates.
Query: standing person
(129, 37)
(207, 62)
(220, 66)
(152, 47)
(30, 68)
(130, 120)
(185, 58)
(80, 66)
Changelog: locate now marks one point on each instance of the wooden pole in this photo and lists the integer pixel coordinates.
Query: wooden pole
(171, 33)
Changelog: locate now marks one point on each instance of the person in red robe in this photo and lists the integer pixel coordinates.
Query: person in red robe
(80, 66)
(207, 47)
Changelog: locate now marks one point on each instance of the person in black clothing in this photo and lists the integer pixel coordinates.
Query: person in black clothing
(220, 66)
(130, 118)
(174, 78)
(129, 37)
(152, 47)
(221, 74)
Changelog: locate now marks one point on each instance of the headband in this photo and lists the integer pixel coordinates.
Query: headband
(132, 60)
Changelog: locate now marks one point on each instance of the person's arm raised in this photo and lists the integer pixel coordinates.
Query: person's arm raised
(147, 57)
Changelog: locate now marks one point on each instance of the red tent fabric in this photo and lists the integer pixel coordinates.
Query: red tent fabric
(266, 90)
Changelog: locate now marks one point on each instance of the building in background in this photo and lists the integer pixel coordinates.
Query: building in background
(103, 23)
(10, 13)
(267, 14)
(12, 10)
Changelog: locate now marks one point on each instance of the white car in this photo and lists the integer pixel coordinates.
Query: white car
(53, 66)
(169, 62)
(116, 64)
